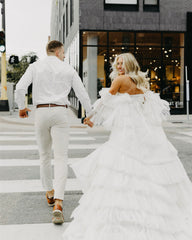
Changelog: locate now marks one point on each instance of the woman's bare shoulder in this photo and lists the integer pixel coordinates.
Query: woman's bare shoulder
(122, 78)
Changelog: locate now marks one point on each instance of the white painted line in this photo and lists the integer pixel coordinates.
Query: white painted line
(32, 138)
(82, 139)
(17, 138)
(187, 133)
(11, 186)
(16, 133)
(28, 163)
(183, 138)
(32, 133)
(80, 133)
(42, 231)
(34, 147)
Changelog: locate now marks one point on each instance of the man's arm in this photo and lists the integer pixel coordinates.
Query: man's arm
(81, 92)
(21, 90)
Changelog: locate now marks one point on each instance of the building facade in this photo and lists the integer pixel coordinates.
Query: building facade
(157, 32)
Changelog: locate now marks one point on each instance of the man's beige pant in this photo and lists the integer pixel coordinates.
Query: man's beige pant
(52, 131)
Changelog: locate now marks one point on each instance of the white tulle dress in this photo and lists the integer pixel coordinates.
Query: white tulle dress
(134, 185)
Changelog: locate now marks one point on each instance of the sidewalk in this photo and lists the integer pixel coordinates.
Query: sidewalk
(13, 117)
(178, 121)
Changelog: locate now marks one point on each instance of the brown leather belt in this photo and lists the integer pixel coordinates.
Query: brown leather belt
(50, 105)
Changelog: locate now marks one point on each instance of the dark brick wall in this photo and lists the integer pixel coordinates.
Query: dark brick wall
(171, 17)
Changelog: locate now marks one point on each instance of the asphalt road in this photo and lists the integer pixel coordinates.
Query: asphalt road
(24, 213)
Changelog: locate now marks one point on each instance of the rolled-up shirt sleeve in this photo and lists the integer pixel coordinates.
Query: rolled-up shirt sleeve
(81, 92)
(22, 86)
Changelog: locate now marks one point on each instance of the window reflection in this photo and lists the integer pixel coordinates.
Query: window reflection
(148, 39)
(161, 54)
(150, 60)
(121, 38)
(173, 77)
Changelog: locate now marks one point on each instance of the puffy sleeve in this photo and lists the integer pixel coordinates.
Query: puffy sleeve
(155, 107)
(103, 108)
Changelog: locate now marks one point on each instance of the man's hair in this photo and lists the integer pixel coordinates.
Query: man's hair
(53, 45)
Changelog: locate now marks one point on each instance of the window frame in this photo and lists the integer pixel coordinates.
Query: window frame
(71, 12)
(67, 19)
(121, 6)
(151, 7)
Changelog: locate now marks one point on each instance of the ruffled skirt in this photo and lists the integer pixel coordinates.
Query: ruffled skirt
(135, 188)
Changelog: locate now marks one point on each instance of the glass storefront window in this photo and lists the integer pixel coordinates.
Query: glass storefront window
(114, 51)
(173, 40)
(121, 38)
(150, 60)
(94, 38)
(148, 39)
(161, 54)
(173, 77)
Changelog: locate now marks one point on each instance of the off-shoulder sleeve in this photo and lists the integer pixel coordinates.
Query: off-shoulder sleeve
(156, 108)
(102, 108)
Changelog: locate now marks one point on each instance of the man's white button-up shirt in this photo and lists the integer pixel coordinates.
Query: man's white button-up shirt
(52, 81)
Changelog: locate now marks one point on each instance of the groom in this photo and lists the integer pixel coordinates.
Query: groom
(52, 80)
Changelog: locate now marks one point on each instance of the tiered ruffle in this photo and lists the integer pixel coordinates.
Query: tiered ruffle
(135, 187)
(128, 198)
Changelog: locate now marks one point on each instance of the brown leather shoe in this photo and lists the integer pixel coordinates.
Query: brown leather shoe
(57, 215)
(50, 201)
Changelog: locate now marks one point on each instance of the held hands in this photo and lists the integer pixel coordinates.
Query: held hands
(24, 113)
(88, 122)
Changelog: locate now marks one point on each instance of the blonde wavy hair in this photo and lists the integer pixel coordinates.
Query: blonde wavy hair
(132, 69)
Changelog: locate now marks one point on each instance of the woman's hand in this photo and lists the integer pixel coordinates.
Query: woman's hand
(88, 122)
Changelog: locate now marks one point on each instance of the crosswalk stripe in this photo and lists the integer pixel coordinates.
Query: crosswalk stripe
(39, 231)
(13, 186)
(187, 133)
(32, 133)
(183, 138)
(34, 147)
(27, 162)
(32, 138)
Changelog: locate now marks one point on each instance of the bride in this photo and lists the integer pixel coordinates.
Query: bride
(134, 185)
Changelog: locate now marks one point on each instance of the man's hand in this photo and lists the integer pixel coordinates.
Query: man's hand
(24, 113)
(88, 122)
